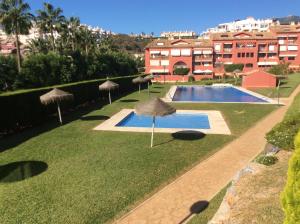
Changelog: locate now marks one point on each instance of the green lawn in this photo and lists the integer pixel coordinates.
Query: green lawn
(93, 176)
(286, 88)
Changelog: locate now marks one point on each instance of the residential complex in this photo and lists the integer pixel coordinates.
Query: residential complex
(207, 56)
(178, 34)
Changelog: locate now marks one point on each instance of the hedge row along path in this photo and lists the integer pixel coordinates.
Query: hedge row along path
(173, 204)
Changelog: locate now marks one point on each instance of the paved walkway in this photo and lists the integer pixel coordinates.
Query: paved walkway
(173, 203)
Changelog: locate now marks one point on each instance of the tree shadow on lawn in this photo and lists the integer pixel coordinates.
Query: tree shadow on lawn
(129, 101)
(196, 208)
(94, 118)
(187, 135)
(18, 171)
(9, 141)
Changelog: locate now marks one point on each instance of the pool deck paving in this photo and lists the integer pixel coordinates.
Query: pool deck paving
(173, 203)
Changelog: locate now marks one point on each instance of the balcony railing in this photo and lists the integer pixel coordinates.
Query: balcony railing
(227, 50)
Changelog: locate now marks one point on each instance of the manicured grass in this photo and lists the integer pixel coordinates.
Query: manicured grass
(209, 212)
(94, 176)
(286, 88)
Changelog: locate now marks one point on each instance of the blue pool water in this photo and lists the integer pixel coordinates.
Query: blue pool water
(184, 121)
(213, 94)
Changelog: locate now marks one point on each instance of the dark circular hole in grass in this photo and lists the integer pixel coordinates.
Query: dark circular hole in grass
(188, 135)
(19, 171)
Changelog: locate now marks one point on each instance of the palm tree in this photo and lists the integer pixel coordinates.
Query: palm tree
(50, 20)
(16, 19)
(73, 27)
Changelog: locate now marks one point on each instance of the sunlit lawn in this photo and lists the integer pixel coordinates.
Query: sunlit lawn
(94, 176)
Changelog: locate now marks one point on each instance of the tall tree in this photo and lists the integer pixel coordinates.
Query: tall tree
(16, 19)
(50, 20)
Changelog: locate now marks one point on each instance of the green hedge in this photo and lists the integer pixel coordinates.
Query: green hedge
(181, 71)
(232, 67)
(290, 197)
(23, 109)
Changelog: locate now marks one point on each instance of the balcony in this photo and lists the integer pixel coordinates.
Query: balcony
(201, 58)
(161, 57)
(227, 50)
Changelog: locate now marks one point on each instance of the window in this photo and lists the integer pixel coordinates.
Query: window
(217, 47)
(239, 55)
(281, 58)
(197, 63)
(154, 62)
(292, 48)
(247, 55)
(291, 58)
(175, 52)
(249, 65)
(185, 52)
(271, 48)
(224, 35)
(282, 48)
(164, 62)
(160, 44)
(252, 55)
(227, 56)
(243, 55)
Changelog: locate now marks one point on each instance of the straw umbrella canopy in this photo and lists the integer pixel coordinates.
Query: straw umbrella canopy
(108, 86)
(56, 96)
(139, 80)
(154, 107)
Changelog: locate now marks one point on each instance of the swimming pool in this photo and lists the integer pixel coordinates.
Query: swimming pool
(221, 94)
(205, 121)
(177, 120)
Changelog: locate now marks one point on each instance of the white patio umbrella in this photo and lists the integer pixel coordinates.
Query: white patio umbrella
(154, 107)
(56, 96)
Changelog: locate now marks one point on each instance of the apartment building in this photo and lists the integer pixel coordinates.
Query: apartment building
(206, 57)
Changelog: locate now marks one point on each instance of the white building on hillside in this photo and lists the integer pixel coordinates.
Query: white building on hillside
(178, 34)
(248, 24)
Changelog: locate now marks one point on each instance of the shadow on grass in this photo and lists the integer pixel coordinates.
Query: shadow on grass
(154, 92)
(129, 101)
(94, 118)
(158, 87)
(188, 135)
(196, 208)
(13, 140)
(19, 171)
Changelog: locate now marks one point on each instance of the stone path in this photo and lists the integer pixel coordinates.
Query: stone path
(173, 203)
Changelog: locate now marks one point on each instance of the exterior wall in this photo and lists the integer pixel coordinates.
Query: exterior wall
(259, 79)
(255, 53)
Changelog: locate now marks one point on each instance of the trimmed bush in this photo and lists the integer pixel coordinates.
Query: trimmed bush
(232, 67)
(8, 72)
(181, 71)
(290, 197)
(23, 109)
(282, 135)
(267, 160)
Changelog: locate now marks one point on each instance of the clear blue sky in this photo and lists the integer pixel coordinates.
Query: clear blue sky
(125, 16)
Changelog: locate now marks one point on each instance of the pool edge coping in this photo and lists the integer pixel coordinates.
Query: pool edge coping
(170, 95)
(216, 120)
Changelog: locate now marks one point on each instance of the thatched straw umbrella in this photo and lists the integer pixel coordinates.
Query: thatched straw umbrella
(139, 80)
(154, 107)
(56, 96)
(108, 86)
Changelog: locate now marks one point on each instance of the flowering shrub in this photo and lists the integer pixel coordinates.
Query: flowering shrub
(267, 160)
(282, 135)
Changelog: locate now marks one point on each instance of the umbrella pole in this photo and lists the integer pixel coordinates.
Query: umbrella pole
(152, 135)
(109, 97)
(59, 113)
(139, 88)
(148, 89)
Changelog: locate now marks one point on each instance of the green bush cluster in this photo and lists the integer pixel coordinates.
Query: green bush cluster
(8, 72)
(21, 110)
(282, 135)
(290, 197)
(46, 69)
(232, 67)
(267, 160)
(181, 71)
